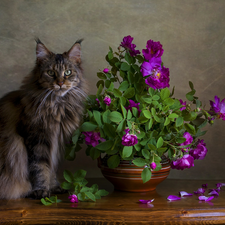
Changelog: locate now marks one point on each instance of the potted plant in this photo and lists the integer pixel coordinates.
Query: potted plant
(134, 117)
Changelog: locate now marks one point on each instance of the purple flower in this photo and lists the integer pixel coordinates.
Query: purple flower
(129, 139)
(106, 70)
(153, 165)
(187, 161)
(219, 185)
(200, 151)
(183, 104)
(218, 108)
(189, 139)
(204, 185)
(148, 68)
(107, 100)
(73, 198)
(154, 49)
(173, 198)
(159, 78)
(92, 138)
(133, 104)
(127, 43)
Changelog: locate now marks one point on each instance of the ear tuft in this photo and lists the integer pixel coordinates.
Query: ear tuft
(41, 51)
(75, 52)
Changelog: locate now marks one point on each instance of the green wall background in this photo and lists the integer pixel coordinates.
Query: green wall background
(192, 33)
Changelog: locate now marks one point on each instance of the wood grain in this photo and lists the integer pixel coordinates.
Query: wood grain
(122, 207)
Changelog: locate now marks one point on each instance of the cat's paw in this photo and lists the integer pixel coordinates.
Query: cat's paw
(38, 194)
(58, 190)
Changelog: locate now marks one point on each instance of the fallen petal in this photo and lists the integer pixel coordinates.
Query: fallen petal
(204, 198)
(199, 191)
(173, 198)
(213, 192)
(146, 201)
(184, 193)
(204, 185)
(220, 185)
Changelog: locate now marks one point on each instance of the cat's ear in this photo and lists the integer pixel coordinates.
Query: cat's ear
(41, 51)
(74, 53)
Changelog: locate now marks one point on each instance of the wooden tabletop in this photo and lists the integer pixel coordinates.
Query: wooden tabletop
(122, 207)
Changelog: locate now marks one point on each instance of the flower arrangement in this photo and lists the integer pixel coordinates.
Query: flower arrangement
(135, 117)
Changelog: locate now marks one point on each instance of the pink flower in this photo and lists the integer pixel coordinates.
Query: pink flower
(129, 139)
(187, 161)
(153, 165)
(133, 104)
(200, 151)
(92, 138)
(173, 198)
(189, 139)
(127, 43)
(154, 49)
(73, 198)
(107, 100)
(218, 108)
(148, 68)
(183, 104)
(106, 70)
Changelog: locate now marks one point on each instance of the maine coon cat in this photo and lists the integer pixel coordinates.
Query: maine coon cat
(37, 120)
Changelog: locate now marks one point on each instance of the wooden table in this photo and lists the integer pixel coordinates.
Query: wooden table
(122, 208)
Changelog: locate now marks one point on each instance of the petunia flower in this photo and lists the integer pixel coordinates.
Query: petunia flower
(154, 50)
(106, 70)
(187, 161)
(127, 44)
(218, 108)
(92, 138)
(129, 139)
(173, 198)
(146, 201)
(107, 100)
(204, 198)
(184, 194)
(73, 198)
(200, 151)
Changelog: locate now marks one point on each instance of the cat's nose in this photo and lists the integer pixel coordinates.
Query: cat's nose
(60, 83)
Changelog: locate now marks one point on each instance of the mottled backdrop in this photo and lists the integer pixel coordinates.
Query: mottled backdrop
(192, 33)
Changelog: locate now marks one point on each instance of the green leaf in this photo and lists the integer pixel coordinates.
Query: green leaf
(124, 66)
(102, 192)
(164, 93)
(97, 116)
(113, 161)
(101, 76)
(81, 196)
(110, 54)
(146, 175)
(167, 121)
(179, 121)
(139, 162)
(106, 145)
(190, 95)
(155, 97)
(79, 174)
(191, 85)
(127, 151)
(124, 111)
(68, 176)
(121, 126)
(129, 115)
(173, 115)
(67, 186)
(88, 126)
(169, 101)
(129, 58)
(190, 128)
(100, 88)
(147, 114)
(181, 140)
(123, 86)
(135, 111)
(90, 196)
(159, 143)
(115, 116)
(109, 130)
(94, 153)
(105, 116)
(129, 93)
(146, 153)
(117, 92)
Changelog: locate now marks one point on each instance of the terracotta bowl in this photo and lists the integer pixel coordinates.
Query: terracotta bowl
(127, 177)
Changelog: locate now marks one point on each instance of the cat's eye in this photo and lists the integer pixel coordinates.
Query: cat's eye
(50, 72)
(67, 72)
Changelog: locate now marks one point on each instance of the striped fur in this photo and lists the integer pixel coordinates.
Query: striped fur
(37, 120)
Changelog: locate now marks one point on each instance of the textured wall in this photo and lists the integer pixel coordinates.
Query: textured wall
(192, 33)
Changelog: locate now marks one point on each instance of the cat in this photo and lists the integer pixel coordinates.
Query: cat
(37, 120)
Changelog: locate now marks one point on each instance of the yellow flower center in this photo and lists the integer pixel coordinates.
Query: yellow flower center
(158, 75)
